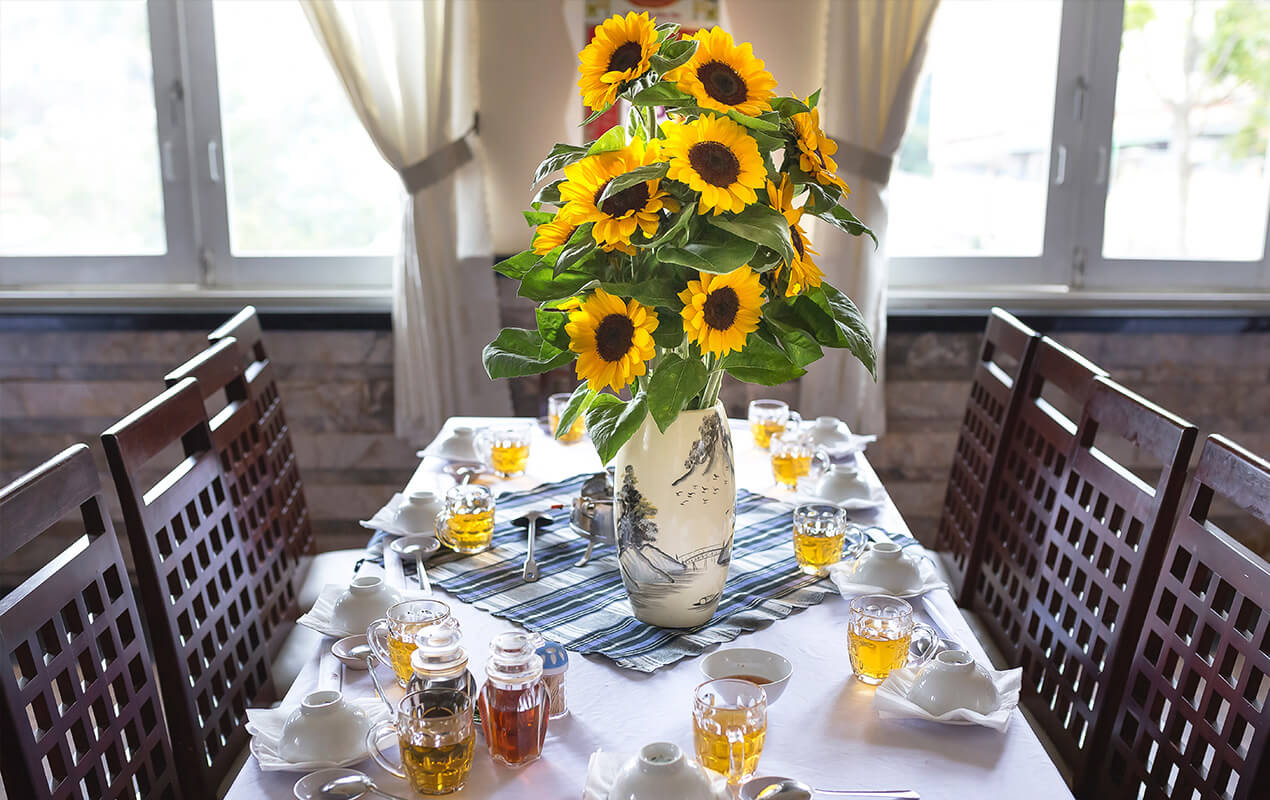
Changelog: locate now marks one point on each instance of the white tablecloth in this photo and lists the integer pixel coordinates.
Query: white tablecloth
(822, 730)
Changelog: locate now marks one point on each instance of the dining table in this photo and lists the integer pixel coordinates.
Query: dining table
(823, 730)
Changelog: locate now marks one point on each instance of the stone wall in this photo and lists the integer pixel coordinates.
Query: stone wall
(59, 387)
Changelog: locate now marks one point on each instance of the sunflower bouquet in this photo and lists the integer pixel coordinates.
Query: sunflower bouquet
(675, 252)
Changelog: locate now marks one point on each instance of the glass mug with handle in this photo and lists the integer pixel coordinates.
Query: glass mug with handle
(392, 637)
(435, 739)
(770, 417)
(881, 634)
(820, 532)
(729, 725)
(466, 522)
(505, 448)
(556, 405)
(794, 456)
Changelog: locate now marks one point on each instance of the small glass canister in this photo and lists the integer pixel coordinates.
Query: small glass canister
(555, 663)
(440, 662)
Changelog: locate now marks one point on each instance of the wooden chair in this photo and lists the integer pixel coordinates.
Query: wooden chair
(1033, 462)
(79, 709)
(1004, 355)
(191, 565)
(245, 460)
(262, 391)
(1193, 717)
(1104, 542)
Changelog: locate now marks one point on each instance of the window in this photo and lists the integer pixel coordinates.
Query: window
(206, 144)
(1113, 146)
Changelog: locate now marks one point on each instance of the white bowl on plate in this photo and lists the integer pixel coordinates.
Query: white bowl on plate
(887, 566)
(366, 599)
(661, 771)
(953, 680)
(748, 663)
(324, 728)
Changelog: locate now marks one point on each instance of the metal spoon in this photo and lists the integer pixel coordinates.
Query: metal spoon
(790, 789)
(533, 519)
(418, 547)
(352, 786)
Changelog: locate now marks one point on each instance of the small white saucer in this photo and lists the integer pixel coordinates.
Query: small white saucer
(345, 649)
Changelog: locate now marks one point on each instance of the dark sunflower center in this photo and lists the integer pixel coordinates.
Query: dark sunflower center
(720, 308)
(624, 202)
(798, 243)
(614, 336)
(722, 83)
(625, 57)
(715, 163)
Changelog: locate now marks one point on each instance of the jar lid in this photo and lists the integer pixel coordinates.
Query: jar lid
(438, 650)
(512, 658)
(555, 659)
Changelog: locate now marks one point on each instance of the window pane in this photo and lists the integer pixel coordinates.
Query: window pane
(302, 176)
(1188, 168)
(79, 157)
(971, 176)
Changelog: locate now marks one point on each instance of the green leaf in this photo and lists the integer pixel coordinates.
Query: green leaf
(667, 30)
(850, 324)
(579, 402)
(518, 265)
(713, 250)
(673, 53)
(844, 220)
(760, 224)
(672, 231)
(762, 362)
(651, 292)
(765, 259)
(788, 106)
(814, 99)
(561, 155)
(611, 422)
(540, 284)
(636, 176)
(551, 324)
(675, 382)
(517, 352)
(754, 123)
(820, 198)
(767, 142)
(536, 218)
(670, 329)
(549, 194)
(580, 244)
(662, 94)
(612, 139)
(798, 344)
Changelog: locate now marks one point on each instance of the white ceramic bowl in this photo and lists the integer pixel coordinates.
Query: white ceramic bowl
(748, 663)
(886, 566)
(661, 771)
(953, 680)
(353, 651)
(324, 728)
(366, 599)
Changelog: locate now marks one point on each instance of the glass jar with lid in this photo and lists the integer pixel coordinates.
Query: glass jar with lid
(514, 703)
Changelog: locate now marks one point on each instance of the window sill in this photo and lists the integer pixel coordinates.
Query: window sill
(195, 299)
(1060, 300)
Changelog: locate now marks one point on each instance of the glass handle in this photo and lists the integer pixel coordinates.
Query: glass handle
(377, 732)
(794, 422)
(822, 461)
(375, 637)
(931, 637)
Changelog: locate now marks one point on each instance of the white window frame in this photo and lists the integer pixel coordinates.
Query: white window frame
(195, 201)
(1071, 261)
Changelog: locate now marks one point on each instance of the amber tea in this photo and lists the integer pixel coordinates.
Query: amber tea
(880, 632)
(435, 739)
(764, 430)
(393, 638)
(874, 655)
(556, 404)
(768, 418)
(788, 468)
(729, 726)
(437, 768)
(820, 529)
(505, 448)
(467, 523)
(509, 458)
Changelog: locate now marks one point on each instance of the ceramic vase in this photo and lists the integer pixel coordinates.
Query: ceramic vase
(675, 509)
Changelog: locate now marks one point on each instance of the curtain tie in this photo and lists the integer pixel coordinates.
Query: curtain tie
(862, 161)
(440, 164)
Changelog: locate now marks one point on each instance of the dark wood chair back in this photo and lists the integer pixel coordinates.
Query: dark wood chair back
(1004, 354)
(192, 570)
(290, 506)
(1033, 460)
(1193, 717)
(245, 460)
(79, 708)
(1105, 541)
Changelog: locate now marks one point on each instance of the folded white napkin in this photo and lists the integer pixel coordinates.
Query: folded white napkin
(807, 494)
(854, 443)
(385, 519)
(891, 700)
(603, 768)
(265, 727)
(320, 617)
(926, 569)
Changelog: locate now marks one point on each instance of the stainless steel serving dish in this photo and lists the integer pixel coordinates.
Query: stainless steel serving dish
(592, 514)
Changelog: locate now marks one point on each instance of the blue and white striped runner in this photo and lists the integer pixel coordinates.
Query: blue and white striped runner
(585, 608)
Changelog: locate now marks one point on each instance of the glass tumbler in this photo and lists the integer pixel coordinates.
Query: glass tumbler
(794, 456)
(820, 529)
(881, 633)
(768, 417)
(729, 724)
(392, 637)
(466, 524)
(505, 448)
(435, 740)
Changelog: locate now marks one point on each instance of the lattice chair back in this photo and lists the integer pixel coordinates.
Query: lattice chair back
(1105, 538)
(192, 570)
(1193, 717)
(1004, 354)
(79, 708)
(244, 458)
(1033, 461)
(291, 508)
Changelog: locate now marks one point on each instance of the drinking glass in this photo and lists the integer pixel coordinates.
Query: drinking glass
(556, 405)
(435, 738)
(466, 524)
(392, 637)
(729, 724)
(505, 448)
(880, 637)
(819, 532)
(768, 417)
(794, 456)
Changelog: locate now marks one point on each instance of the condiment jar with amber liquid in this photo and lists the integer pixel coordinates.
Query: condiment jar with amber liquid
(440, 662)
(514, 704)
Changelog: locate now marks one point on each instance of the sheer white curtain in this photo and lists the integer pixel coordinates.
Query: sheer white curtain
(410, 70)
(873, 55)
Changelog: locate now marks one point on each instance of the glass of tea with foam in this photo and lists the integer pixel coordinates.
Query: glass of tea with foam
(466, 524)
(770, 417)
(392, 638)
(794, 456)
(729, 725)
(505, 448)
(880, 636)
(820, 529)
(435, 740)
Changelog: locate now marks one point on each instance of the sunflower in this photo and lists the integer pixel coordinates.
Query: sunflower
(613, 339)
(620, 51)
(816, 150)
(617, 217)
(803, 271)
(721, 310)
(722, 75)
(715, 157)
(551, 235)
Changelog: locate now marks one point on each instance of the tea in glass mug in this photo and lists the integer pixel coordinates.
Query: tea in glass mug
(770, 417)
(793, 456)
(392, 638)
(820, 530)
(729, 726)
(505, 448)
(466, 524)
(435, 738)
(880, 633)
(556, 405)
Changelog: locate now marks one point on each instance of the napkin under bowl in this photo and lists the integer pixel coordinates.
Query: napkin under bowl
(385, 519)
(604, 767)
(265, 727)
(321, 617)
(891, 700)
(848, 586)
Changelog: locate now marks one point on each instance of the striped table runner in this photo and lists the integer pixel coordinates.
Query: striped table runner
(585, 608)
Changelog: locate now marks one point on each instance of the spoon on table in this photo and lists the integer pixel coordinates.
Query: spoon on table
(419, 547)
(350, 787)
(532, 519)
(790, 789)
